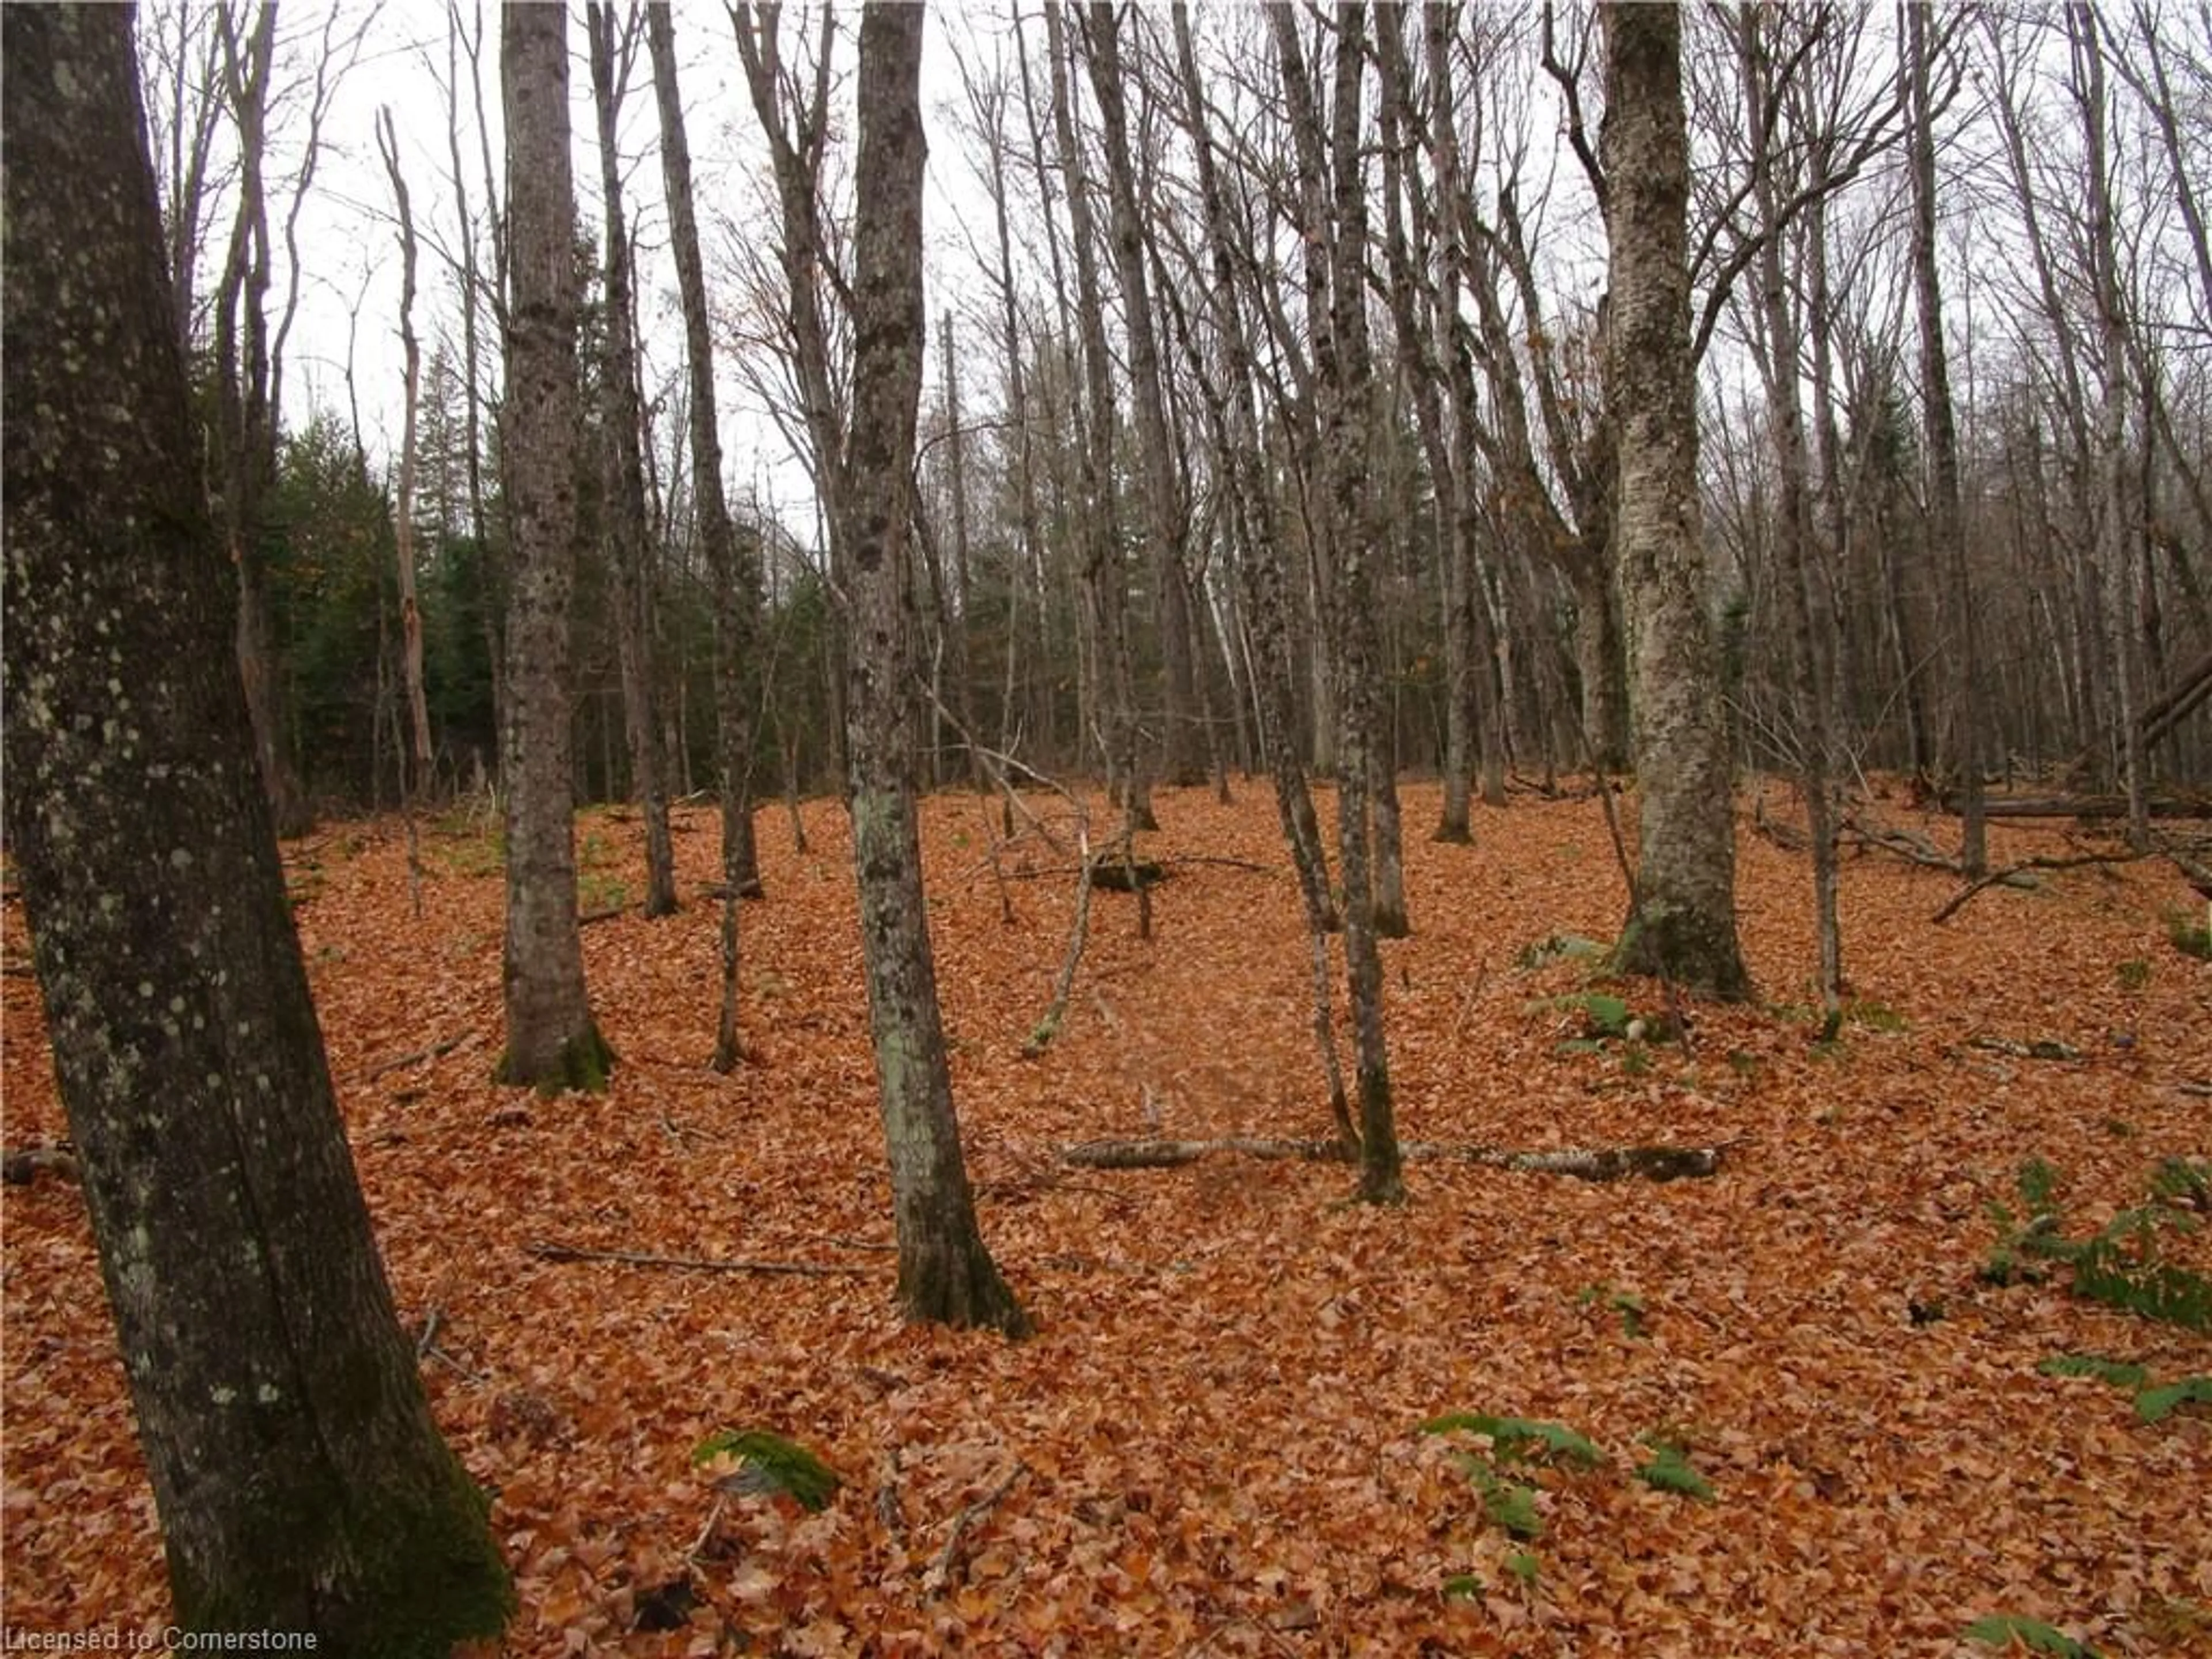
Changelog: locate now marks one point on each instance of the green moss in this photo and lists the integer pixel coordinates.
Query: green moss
(1690, 950)
(584, 1063)
(391, 1573)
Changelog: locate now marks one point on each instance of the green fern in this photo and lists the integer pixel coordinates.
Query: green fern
(2002, 1630)
(1509, 1505)
(2156, 1405)
(1522, 1437)
(2118, 1372)
(770, 1465)
(1670, 1471)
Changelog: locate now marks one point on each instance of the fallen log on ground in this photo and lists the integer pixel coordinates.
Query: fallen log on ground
(1584, 1163)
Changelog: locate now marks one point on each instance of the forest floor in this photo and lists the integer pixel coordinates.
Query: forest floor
(1214, 1443)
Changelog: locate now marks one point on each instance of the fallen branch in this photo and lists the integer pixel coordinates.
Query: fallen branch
(1959, 899)
(1913, 849)
(549, 1252)
(1584, 1163)
(416, 1057)
(941, 1571)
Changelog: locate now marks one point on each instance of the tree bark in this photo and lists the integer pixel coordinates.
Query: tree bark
(945, 1273)
(410, 609)
(1947, 549)
(1105, 585)
(551, 1041)
(735, 573)
(623, 514)
(1184, 761)
(246, 422)
(1593, 1163)
(1682, 916)
(301, 1480)
(1805, 619)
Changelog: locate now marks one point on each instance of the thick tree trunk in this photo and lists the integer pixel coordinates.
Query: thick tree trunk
(551, 1041)
(1682, 921)
(622, 515)
(735, 574)
(302, 1484)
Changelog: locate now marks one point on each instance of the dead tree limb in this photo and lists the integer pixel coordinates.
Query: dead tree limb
(549, 1252)
(1584, 1163)
(416, 1056)
(1959, 899)
(948, 1558)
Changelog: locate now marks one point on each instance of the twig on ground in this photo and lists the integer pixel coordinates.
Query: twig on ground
(417, 1056)
(545, 1251)
(941, 1571)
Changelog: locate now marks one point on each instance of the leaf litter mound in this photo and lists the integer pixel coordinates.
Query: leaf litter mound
(1214, 1442)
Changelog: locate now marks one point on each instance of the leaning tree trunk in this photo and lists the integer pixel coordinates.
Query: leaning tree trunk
(1335, 218)
(551, 1040)
(945, 1273)
(1682, 920)
(301, 1481)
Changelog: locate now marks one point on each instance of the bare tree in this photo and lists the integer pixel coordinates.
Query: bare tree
(735, 577)
(1682, 921)
(410, 609)
(278, 1403)
(552, 1042)
(622, 466)
(945, 1273)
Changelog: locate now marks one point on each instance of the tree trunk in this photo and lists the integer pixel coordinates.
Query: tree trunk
(1335, 218)
(1260, 565)
(1793, 531)
(246, 426)
(624, 472)
(1185, 761)
(1947, 551)
(945, 1273)
(735, 574)
(1105, 586)
(1682, 917)
(551, 1041)
(410, 611)
(301, 1481)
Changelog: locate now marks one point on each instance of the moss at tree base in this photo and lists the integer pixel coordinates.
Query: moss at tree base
(583, 1063)
(963, 1289)
(1682, 948)
(380, 1574)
